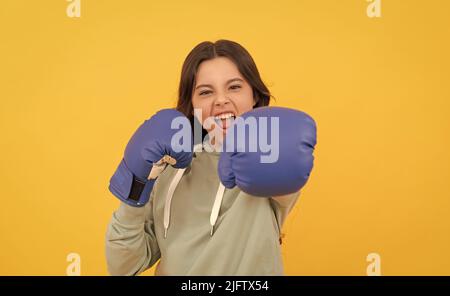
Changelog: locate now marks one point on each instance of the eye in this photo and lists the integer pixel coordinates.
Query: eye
(204, 92)
(235, 86)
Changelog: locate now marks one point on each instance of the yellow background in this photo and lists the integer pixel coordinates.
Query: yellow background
(73, 90)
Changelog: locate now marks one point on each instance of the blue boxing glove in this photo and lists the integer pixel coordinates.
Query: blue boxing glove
(268, 151)
(156, 143)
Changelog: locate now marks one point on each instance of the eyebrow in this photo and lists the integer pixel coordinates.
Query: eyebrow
(228, 82)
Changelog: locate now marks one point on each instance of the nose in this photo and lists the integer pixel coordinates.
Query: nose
(221, 100)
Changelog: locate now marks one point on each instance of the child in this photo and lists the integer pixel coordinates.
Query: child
(192, 219)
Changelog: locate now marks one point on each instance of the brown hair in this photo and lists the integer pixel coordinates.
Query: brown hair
(222, 48)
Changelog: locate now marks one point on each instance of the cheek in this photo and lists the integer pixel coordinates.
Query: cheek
(245, 101)
(201, 107)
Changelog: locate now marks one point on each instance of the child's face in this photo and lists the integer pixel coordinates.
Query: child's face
(221, 91)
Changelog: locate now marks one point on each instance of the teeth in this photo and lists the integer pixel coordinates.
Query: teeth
(224, 116)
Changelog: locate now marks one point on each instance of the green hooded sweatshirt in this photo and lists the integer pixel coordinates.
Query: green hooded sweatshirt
(195, 226)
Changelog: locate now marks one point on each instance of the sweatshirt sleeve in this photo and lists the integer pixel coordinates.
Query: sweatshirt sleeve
(131, 246)
(282, 206)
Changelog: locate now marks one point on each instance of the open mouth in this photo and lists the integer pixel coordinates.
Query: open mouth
(224, 120)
